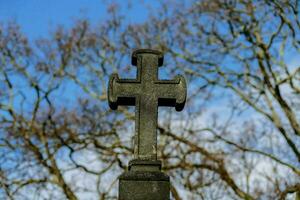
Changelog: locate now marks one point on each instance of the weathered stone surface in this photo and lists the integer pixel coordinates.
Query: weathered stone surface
(146, 92)
(144, 165)
(144, 180)
(144, 186)
(144, 176)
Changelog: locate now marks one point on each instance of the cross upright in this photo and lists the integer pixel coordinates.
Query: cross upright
(146, 92)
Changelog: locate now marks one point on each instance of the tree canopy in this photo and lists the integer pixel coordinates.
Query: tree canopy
(238, 138)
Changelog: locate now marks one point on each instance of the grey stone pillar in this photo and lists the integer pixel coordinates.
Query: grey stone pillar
(144, 181)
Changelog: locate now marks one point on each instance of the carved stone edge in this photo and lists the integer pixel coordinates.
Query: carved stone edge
(147, 51)
(144, 176)
(136, 162)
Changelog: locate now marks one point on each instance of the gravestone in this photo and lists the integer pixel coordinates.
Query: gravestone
(144, 179)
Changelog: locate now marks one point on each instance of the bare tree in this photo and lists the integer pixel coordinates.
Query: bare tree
(238, 137)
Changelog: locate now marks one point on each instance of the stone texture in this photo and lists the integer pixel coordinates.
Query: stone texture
(146, 92)
(143, 185)
(144, 179)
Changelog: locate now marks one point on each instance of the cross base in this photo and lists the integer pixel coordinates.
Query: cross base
(144, 181)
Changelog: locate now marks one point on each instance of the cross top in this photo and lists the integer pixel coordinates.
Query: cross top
(146, 92)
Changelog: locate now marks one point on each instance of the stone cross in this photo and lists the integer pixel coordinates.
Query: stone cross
(146, 92)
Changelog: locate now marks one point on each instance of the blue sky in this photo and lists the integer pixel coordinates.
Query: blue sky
(38, 17)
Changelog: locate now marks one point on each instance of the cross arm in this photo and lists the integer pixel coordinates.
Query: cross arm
(122, 91)
(172, 92)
